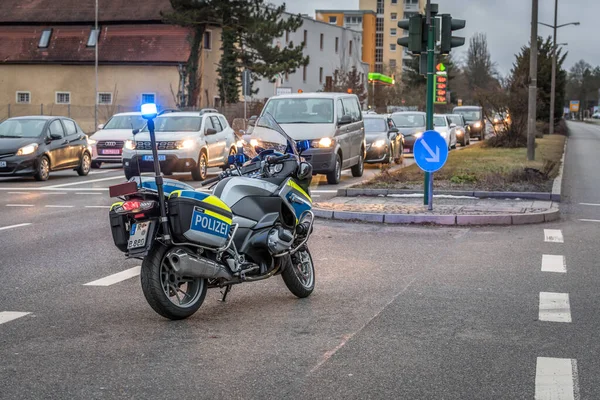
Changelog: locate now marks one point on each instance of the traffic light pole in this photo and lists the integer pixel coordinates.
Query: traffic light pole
(428, 197)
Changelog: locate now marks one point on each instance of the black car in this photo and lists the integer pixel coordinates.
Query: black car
(474, 116)
(384, 142)
(411, 125)
(37, 145)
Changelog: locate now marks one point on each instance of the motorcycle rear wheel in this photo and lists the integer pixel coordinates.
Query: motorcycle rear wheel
(299, 274)
(170, 295)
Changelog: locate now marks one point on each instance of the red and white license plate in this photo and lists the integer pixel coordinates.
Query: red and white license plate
(111, 151)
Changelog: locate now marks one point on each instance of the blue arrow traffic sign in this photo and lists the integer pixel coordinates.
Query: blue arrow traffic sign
(430, 151)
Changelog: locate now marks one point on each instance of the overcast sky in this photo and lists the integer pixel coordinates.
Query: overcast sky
(507, 24)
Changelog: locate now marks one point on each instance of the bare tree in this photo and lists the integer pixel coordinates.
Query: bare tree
(479, 69)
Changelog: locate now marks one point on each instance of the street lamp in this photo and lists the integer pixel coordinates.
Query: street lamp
(555, 49)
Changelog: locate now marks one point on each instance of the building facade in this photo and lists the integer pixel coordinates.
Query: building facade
(330, 47)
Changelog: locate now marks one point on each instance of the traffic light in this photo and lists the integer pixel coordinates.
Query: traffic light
(449, 25)
(416, 41)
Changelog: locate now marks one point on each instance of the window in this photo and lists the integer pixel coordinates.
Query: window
(393, 64)
(380, 6)
(305, 37)
(333, 20)
(24, 97)
(224, 123)
(176, 124)
(56, 128)
(70, 127)
(208, 124)
(351, 108)
(148, 98)
(287, 77)
(348, 19)
(207, 40)
(392, 47)
(125, 122)
(379, 25)
(321, 75)
(45, 38)
(350, 48)
(63, 98)
(337, 44)
(105, 98)
(322, 39)
(217, 124)
(359, 19)
(301, 110)
(304, 74)
(379, 40)
(411, 1)
(378, 55)
(394, 16)
(393, 31)
(340, 110)
(93, 38)
(394, 2)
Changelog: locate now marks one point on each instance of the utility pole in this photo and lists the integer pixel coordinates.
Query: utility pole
(429, 104)
(553, 89)
(97, 34)
(531, 117)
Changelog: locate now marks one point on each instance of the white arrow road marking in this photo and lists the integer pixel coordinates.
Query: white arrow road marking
(556, 379)
(14, 226)
(116, 278)
(553, 263)
(553, 235)
(554, 307)
(435, 157)
(6, 316)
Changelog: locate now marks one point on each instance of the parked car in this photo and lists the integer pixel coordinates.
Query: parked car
(384, 142)
(475, 118)
(332, 122)
(37, 145)
(107, 142)
(443, 125)
(411, 124)
(187, 142)
(460, 130)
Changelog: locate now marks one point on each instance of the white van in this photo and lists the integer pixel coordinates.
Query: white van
(333, 124)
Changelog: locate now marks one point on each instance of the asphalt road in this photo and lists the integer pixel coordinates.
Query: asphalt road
(398, 312)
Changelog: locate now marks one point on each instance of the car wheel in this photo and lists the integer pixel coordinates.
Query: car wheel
(359, 169)
(96, 164)
(131, 172)
(400, 155)
(42, 171)
(199, 173)
(85, 164)
(334, 177)
(232, 152)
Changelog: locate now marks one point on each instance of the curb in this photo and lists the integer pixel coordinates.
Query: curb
(479, 194)
(557, 184)
(456, 220)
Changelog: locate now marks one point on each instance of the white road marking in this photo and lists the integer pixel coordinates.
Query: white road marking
(47, 188)
(59, 206)
(590, 204)
(19, 192)
(323, 191)
(556, 379)
(7, 316)
(553, 263)
(106, 171)
(19, 205)
(84, 182)
(53, 192)
(2, 228)
(90, 193)
(553, 235)
(116, 278)
(590, 220)
(97, 206)
(554, 307)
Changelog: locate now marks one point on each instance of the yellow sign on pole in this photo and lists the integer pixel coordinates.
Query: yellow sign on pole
(459, 102)
(574, 106)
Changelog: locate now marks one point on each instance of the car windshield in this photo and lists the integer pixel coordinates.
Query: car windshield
(301, 110)
(267, 134)
(22, 128)
(125, 122)
(470, 115)
(455, 120)
(439, 121)
(176, 124)
(375, 125)
(409, 120)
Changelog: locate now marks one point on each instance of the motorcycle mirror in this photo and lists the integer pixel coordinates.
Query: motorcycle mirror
(304, 171)
(303, 145)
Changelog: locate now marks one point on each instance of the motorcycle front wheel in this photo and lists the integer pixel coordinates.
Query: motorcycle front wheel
(169, 294)
(299, 274)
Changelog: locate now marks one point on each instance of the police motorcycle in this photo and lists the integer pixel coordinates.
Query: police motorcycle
(254, 225)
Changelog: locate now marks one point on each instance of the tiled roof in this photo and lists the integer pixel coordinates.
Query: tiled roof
(72, 11)
(152, 43)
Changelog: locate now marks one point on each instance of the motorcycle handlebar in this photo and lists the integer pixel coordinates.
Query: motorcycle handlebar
(211, 180)
(275, 160)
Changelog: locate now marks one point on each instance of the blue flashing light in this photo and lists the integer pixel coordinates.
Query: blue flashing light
(149, 111)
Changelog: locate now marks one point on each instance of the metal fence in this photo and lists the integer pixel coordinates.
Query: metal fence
(84, 115)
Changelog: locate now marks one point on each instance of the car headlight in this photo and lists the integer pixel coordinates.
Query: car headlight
(129, 145)
(460, 131)
(418, 135)
(186, 144)
(379, 143)
(477, 125)
(92, 142)
(444, 134)
(325, 142)
(26, 150)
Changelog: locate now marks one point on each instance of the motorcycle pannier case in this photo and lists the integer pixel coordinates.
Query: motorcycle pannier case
(118, 228)
(199, 218)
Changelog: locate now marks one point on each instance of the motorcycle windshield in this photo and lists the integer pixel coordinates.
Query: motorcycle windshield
(269, 135)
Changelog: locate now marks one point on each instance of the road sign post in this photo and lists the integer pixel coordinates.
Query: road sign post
(431, 11)
(431, 153)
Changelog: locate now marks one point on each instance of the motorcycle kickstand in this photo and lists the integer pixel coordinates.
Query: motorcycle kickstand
(225, 293)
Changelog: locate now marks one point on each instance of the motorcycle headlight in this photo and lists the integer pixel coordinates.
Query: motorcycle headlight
(129, 145)
(26, 150)
(185, 144)
(379, 143)
(325, 142)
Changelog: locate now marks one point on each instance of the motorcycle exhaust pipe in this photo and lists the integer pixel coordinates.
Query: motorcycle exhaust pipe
(186, 264)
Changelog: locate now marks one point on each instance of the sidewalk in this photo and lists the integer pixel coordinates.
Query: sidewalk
(447, 210)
